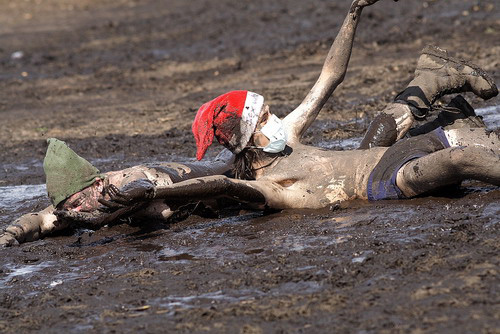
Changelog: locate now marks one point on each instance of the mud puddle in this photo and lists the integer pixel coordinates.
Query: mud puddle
(14, 197)
(491, 116)
(253, 263)
(16, 272)
(230, 296)
(18, 200)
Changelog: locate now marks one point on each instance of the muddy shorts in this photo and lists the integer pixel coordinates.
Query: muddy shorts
(382, 180)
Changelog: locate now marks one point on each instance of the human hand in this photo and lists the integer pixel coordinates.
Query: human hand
(95, 219)
(7, 239)
(136, 191)
(364, 3)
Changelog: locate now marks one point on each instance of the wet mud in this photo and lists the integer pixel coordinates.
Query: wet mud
(120, 82)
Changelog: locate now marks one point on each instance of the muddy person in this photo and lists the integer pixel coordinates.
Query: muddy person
(75, 186)
(273, 168)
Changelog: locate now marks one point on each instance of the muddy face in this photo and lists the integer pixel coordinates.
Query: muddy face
(86, 200)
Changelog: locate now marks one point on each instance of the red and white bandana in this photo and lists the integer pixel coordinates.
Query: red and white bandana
(231, 118)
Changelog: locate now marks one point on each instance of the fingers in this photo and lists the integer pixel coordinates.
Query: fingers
(109, 205)
(112, 190)
(116, 196)
(364, 3)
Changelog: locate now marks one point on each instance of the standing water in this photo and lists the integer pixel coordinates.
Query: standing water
(491, 116)
(13, 197)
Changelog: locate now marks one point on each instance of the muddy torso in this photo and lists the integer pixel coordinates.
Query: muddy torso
(317, 177)
(311, 177)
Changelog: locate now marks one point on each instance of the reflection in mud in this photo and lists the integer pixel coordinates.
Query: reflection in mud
(14, 271)
(492, 212)
(491, 116)
(235, 296)
(12, 197)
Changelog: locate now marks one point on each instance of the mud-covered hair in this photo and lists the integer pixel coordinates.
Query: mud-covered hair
(242, 166)
(243, 161)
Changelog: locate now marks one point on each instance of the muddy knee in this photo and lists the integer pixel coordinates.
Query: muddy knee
(476, 162)
(389, 126)
(473, 137)
(381, 132)
(430, 172)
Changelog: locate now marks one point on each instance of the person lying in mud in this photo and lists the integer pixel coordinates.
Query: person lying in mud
(281, 172)
(77, 200)
(273, 168)
(75, 187)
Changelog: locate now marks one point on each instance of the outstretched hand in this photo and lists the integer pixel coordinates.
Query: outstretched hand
(134, 192)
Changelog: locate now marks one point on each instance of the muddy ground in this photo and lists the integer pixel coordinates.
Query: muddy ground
(120, 81)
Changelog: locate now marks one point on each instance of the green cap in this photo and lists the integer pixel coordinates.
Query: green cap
(66, 172)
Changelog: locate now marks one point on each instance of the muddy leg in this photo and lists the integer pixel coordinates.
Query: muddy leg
(473, 137)
(449, 166)
(436, 75)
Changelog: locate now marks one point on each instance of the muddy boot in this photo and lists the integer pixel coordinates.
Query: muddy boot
(438, 74)
(457, 114)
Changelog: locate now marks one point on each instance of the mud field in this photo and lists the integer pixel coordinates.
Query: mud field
(120, 81)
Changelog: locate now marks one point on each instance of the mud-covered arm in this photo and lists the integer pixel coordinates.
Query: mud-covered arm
(262, 192)
(34, 226)
(31, 227)
(332, 74)
(96, 219)
(222, 163)
(209, 187)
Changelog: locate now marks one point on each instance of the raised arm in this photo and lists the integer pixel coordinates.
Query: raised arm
(332, 74)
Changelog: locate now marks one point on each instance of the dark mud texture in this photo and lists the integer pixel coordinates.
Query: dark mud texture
(120, 82)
